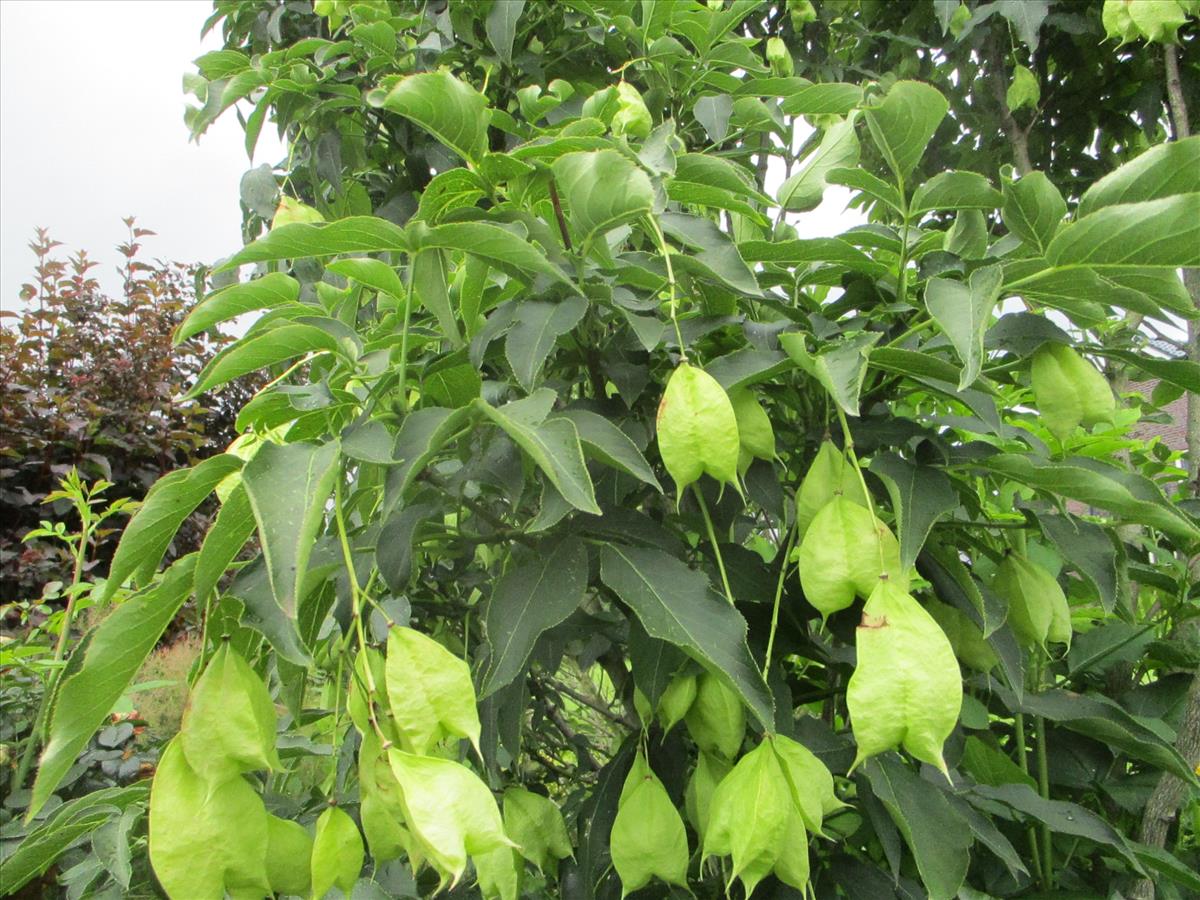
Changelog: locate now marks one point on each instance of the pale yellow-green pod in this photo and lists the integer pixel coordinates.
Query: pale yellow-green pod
(906, 690)
(648, 839)
(1037, 607)
(1069, 390)
(697, 429)
(829, 476)
(716, 719)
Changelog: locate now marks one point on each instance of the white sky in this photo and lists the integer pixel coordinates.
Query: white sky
(91, 130)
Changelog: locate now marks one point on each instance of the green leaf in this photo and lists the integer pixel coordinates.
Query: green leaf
(955, 190)
(225, 538)
(374, 273)
(554, 447)
(748, 366)
(100, 669)
(1159, 860)
(690, 192)
(497, 245)
(1181, 372)
(1088, 548)
(289, 486)
(448, 108)
(833, 98)
(535, 823)
(429, 691)
(677, 604)
(429, 284)
(527, 601)
(937, 835)
(423, 434)
(1104, 720)
(448, 191)
(603, 440)
(149, 533)
(903, 123)
(1162, 233)
(718, 256)
(539, 325)
(833, 251)
(1162, 171)
(257, 351)
(602, 189)
(272, 290)
(1025, 17)
(62, 829)
(1062, 817)
(920, 496)
(964, 312)
(839, 149)
(1033, 209)
(501, 26)
(864, 182)
(357, 234)
(1024, 90)
(839, 368)
(1097, 484)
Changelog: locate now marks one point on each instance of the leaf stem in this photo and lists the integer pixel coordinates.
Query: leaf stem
(787, 553)
(848, 442)
(666, 254)
(403, 376)
(712, 539)
(1023, 759)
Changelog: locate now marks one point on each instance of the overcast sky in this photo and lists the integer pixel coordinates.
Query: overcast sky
(91, 130)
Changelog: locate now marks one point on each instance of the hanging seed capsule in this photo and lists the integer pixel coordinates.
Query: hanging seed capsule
(716, 720)
(1037, 607)
(1069, 390)
(809, 780)
(749, 816)
(229, 725)
(632, 118)
(697, 798)
(648, 839)
(829, 476)
(779, 58)
(697, 428)
(430, 691)
(755, 433)
(337, 853)
(499, 874)
(792, 864)
(906, 689)
(845, 553)
(289, 856)
(676, 700)
(968, 641)
(536, 825)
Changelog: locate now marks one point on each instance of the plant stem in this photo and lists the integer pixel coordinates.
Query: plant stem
(403, 376)
(1044, 790)
(712, 539)
(787, 552)
(666, 254)
(1023, 759)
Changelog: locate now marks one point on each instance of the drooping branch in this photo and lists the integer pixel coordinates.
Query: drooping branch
(1017, 136)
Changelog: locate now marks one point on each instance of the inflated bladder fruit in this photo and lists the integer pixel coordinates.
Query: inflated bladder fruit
(536, 825)
(965, 637)
(380, 810)
(716, 719)
(289, 856)
(755, 433)
(632, 118)
(906, 690)
(845, 553)
(809, 780)
(648, 839)
(755, 821)
(830, 475)
(430, 692)
(709, 771)
(1069, 390)
(337, 853)
(779, 58)
(229, 726)
(676, 700)
(499, 874)
(1037, 607)
(697, 429)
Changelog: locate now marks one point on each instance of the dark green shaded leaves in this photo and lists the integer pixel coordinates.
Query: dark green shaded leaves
(839, 368)
(288, 486)
(608, 443)
(501, 26)
(530, 599)
(964, 311)
(539, 324)
(677, 604)
(227, 535)
(920, 496)
(169, 502)
(499, 246)
(718, 256)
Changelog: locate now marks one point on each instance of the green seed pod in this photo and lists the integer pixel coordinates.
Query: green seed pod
(337, 853)
(906, 689)
(430, 692)
(289, 855)
(357, 702)
(809, 780)
(792, 865)
(697, 428)
(964, 636)
(829, 476)
(632, 117)
(779, 58)
(205, 839)
(676, 700)
(801, 13)
(1037, 607)
(716, 720)
(499, 874)
(1069, 390)
(229, 725)
(536, 825)
(749, 816)
(697, 798)
(641, 705)
(755, 433)
(840, 556)
(648, 839)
